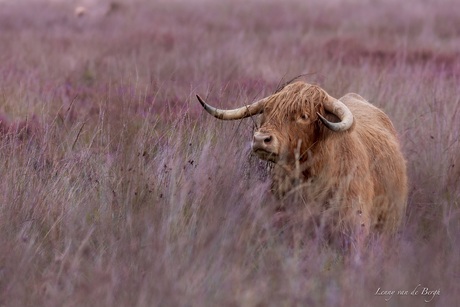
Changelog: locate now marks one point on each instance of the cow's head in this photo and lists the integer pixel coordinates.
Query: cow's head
(289, 124)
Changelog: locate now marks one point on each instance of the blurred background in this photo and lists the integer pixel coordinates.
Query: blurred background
(116, 189)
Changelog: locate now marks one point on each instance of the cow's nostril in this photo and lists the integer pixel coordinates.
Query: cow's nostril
(262, 140)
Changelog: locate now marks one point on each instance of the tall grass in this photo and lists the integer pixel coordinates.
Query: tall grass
(116, 189)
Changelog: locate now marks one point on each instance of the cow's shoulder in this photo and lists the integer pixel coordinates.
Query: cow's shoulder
(357, 104)
(368, 115)
(352, 97)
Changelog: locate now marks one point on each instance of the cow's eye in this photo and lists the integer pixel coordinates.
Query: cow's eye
(303, 117)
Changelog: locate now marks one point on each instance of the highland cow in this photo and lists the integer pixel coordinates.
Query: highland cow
(343, 154)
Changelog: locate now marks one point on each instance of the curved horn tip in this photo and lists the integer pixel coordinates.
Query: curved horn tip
(340, 110)
(323, 119)
(239, 113)
(336, 127)
(200, 100)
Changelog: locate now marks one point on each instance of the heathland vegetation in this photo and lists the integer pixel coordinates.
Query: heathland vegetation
(117, 190)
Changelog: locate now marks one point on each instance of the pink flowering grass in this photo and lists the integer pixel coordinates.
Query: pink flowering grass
(117, 189)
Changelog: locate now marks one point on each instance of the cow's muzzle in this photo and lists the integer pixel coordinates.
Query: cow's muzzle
(264, 145)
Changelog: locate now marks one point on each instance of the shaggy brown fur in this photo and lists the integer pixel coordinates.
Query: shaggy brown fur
(359, 174)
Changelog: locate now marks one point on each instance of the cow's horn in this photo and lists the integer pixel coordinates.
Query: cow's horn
(340, 110)
(246, 111)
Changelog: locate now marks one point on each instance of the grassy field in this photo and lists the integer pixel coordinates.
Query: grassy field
(118, 190)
